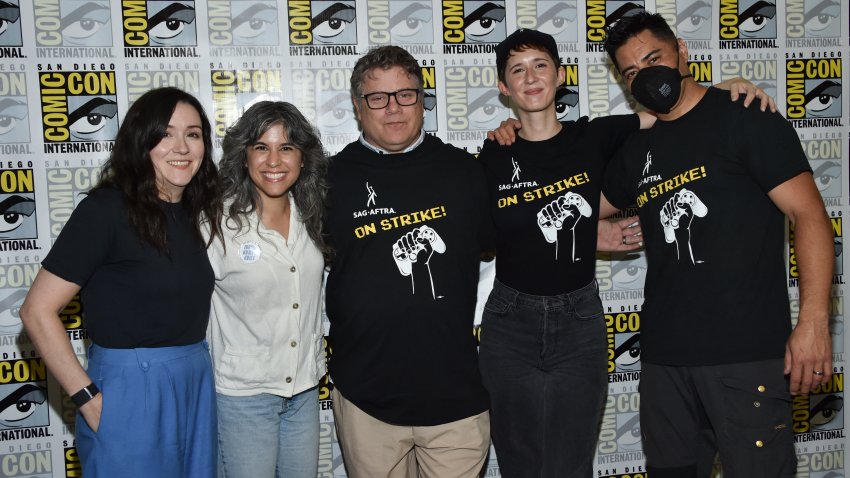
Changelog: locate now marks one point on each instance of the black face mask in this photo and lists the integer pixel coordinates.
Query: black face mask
(658, 87)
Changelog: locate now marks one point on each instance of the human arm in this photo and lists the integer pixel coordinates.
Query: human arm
(738, 86)
(622, 235)
(809, 348)
(40, 315)
(505, 134)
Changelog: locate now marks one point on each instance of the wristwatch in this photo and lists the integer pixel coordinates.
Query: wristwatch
(84, 395)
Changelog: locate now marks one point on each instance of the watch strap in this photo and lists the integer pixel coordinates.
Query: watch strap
(85, 394)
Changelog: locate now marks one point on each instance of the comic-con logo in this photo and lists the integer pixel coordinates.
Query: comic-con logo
(555, 17)
(620, 430)
(689, 19)
(429, 97)
(14, 126)
(66, 187)
(73, 465)
(626, 272)
(701, 70)
(473, 106)
(10, 28)
(472, 22)
(239, 22)
(820, 461)
(23, 399)
(822, 411)
(606, 95)
(235, 90)
(747, 24)
(602, 14)
(323, 95)
(155, 23)
(813, 91)
(27, 464)
(15, 280)
(759, 68)
(401, 22)
(567, 97)
(140, 82)
(78, 107)
(823, 151)
(812, 23)
(326, 386)
(322, 22)
(17, 204)
(72, 23)
(623, 343)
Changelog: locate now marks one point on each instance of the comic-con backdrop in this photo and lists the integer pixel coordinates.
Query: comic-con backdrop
(69, 70)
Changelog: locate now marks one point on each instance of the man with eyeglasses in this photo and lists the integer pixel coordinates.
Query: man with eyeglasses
(408, 219)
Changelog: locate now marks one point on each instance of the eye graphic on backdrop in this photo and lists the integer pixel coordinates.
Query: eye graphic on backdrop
(92, 120)
(756, 21)
(485, 111)
(694, 21)
(166, 25)
(565, 100)
(629, 274)
(412, 24)
(22, 403)
(10, 311)
(17, 211)
(558, 19)
(255, 22)
(627, 354)
(628, 434)
(80, 25)
(335, 114)
(333, 22)
(12, 113)
(825, 412)
(822, 20)
(481, 23)
(826, 175)
(824, 100)
(9, 16)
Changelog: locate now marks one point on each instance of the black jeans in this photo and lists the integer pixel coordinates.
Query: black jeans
(543, 360)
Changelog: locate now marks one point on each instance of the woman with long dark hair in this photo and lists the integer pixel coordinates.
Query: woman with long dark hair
(266, 336)
(135, 252)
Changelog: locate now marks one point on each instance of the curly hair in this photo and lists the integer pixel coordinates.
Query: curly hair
(129, 169)
(309, 190)
(383, 57)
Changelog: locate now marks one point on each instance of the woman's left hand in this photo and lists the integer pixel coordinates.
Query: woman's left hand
(622, 235)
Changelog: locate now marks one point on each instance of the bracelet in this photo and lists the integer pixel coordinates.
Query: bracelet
(84, 395)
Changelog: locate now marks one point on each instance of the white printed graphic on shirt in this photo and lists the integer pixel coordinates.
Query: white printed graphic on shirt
(370, 200)
(413, 252)
(517, 170)
(677, 214)
(563, 214)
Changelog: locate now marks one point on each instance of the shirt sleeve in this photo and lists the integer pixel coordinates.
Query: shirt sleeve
(611, 132)
(615, 185)
(84, 243)
(769, 148)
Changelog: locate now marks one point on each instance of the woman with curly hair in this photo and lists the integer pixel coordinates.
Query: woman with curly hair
(134, 250)
(266, 335)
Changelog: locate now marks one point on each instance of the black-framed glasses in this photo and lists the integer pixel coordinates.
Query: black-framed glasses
(380, 99)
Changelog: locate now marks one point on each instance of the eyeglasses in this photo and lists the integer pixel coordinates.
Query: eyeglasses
(380, 99)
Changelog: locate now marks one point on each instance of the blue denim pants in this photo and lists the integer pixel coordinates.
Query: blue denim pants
(158, 415)
(268, 435)
(543, 361)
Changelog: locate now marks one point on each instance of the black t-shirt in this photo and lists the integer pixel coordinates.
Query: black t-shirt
(715, 289)
(544, 200)
(132, 295)
(408, 230)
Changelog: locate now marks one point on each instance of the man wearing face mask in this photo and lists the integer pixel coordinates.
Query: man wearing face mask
(713, 182)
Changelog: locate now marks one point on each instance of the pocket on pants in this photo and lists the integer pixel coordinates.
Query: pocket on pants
(497, 305)
(588, 307)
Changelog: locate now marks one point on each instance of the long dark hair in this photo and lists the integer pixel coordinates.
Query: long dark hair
(309, 191)
(129, 169)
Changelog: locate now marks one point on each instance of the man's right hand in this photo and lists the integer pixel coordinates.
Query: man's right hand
(505, 134)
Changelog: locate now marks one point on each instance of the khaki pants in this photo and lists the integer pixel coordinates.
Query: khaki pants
(375, 449)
